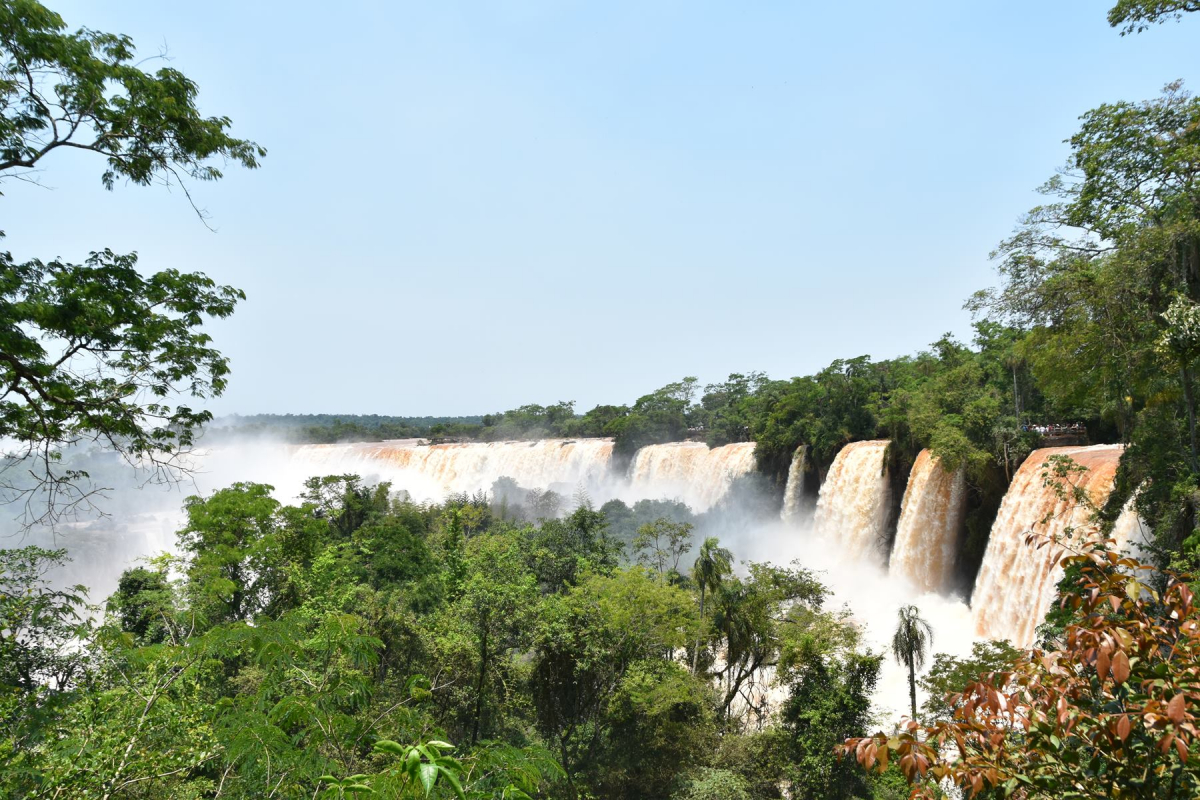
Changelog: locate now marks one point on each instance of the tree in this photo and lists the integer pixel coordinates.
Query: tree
(756, 619)
(726, 409)
(488, 620)
(829, 700)
(231, 539)
(948, 674)
(39, 624)
(823, 411)
(587, 641)
(1103, 278)
(1180, 343)
(714, 784)
(910, 645)
(85, 91)
(1135, 16)
(90, 354)
(93, 352)
(661, 544)
(144, 603)
(713, 563)
(658, 723)
(661, 416)
(560, 550)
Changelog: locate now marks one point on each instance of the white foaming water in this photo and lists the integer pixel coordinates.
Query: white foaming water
(853, 503)
(1130, 532)
(1017, 582)
(688, 471)
(793, 492)
(872, 597)
(430, 472)
(141, 519)
(931, 517)
(843, 544)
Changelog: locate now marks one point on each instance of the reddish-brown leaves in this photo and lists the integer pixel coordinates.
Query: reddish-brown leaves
(1015, 725)
(1123, 727)
(1176, 709)
(1120, 666)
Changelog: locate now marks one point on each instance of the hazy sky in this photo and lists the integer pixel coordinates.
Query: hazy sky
(467, 207)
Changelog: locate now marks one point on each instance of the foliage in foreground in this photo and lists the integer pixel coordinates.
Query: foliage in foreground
(338, 646)
(1109, 714)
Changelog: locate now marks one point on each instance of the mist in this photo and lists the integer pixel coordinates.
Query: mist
(717, 490)
(135, 512)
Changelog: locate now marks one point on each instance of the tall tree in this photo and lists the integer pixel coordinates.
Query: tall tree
(1105, 278)
(910, 646)
(95, 352)
(713, 563)
(661, 544)
(232, 540)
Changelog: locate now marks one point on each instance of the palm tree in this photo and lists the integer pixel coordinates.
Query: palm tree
(713, 563)
(910, 645)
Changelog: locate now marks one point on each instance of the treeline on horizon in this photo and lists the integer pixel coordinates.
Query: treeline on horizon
(331, 428)
(973, 405)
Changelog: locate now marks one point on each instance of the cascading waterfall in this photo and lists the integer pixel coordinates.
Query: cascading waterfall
(688, 471)
(1017, 582)
(793, 492)
(853, 503)
(1130, 532)
(931, 516)
(430, 472)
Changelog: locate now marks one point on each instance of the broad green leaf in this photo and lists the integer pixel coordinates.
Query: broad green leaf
(428, 774)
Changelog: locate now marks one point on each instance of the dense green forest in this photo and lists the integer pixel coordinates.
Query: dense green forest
(288, 642)
(355, 644)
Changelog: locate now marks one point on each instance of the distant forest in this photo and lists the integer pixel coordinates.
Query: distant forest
(330, 428)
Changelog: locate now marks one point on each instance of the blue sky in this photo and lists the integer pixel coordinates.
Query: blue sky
(470, 206)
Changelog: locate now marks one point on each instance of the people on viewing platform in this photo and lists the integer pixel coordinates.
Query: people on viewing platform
(1057, 429)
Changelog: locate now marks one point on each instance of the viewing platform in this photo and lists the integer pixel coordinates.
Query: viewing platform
(1060, 434)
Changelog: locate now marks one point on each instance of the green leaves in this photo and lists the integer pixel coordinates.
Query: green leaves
(40, 625)
(86, 90)
(353, 785)
(425, 764)
(1135, 16)
(88, 351)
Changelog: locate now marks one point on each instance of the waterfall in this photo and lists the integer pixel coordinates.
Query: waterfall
(1130, 532)
(853, 504)
(931, 517)
(430, 472)
(793, 492)
(1017, 582)
(688, 471)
